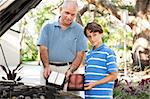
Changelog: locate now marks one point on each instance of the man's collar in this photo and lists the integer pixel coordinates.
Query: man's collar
(56, 23)
(72, 24)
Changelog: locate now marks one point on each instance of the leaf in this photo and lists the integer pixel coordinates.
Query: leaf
(19, 78)
(4, 78)
(17, 67)
(4, 69)
(14, 75)
(20, 68)
(9, 76)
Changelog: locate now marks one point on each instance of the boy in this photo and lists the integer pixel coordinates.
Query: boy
(101, 69)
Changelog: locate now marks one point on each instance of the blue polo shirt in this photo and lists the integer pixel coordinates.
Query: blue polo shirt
(62, 44)
(99, 63)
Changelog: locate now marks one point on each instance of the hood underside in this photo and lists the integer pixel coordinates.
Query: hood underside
(11, 11)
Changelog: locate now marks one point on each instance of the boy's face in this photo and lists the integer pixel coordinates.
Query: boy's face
(94, 37)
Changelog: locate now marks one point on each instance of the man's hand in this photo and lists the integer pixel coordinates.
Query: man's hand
(68, 73)
(45, 60)
(47, 72)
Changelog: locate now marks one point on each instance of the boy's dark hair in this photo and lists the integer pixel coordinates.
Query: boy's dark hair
(93, 27)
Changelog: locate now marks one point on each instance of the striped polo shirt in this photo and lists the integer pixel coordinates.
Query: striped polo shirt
(99, 63)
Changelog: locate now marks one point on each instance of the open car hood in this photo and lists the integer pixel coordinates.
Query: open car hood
(13, 10)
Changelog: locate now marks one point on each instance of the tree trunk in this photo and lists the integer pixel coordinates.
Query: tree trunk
(141, 29)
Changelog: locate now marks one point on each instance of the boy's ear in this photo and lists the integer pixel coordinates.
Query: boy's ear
(102, 34)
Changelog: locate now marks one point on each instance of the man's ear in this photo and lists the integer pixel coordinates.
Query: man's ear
(60, 9)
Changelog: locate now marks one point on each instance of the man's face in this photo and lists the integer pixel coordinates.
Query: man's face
(68, 14)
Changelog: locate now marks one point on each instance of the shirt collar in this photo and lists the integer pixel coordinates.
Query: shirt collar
(56, 23)
(100, 47)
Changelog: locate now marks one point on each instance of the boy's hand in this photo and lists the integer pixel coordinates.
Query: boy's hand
(89, 86)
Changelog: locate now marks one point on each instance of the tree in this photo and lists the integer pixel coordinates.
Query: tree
(140, 24)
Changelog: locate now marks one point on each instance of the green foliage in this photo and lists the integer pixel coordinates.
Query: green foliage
(43, 15)
(132, 90)
(89, 45)
(86, 19)
(120, 94)
(30, 51)
(128, 7)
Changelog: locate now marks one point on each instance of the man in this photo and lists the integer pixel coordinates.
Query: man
(62, 43)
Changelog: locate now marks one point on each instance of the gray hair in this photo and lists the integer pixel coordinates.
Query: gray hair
(70, 2)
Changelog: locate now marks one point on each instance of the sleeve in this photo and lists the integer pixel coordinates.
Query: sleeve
(43, 38)
(81, 41)
(111, 62)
